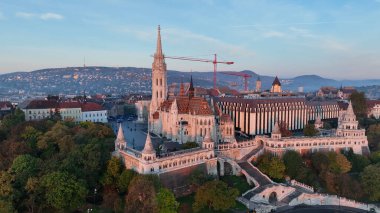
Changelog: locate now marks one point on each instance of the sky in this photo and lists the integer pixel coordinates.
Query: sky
(335, 39)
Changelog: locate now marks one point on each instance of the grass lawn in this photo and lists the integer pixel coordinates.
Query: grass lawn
(238, 182)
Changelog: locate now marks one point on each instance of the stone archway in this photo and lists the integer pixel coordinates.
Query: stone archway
(228, 168)
(272, 198)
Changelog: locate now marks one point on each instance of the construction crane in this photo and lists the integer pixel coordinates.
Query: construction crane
(215, 62)
(244, 75)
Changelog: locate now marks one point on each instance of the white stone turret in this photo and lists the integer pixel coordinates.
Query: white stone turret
(318, 122)
(276, 133)
(148, 153)
(348, 125)
(120, 142)
(208, 143)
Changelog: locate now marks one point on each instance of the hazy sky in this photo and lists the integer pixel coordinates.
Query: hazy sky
(337, 39)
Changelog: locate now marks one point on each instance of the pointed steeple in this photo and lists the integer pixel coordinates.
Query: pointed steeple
(191, 88)
(120, 134)
(120, 142)
(350, 110)
(159, 45)
(276, 81)
(181, 89)
(148, 148)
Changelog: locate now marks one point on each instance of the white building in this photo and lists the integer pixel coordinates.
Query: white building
(74, 111)
(40, 109)
(373, 107)
(93, 112)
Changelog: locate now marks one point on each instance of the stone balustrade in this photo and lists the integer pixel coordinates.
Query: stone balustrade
(302, 185)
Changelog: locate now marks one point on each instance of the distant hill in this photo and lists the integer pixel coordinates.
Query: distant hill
(116, 80)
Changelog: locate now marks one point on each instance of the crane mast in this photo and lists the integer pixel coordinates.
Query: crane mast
(214, 61)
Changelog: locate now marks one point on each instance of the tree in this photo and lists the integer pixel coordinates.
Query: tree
(310, 130)
(338, 163)
(189, 145)
(141, 195)
(271, 165)
(124, 180)
(320, 161)
(198, 177)
(284, 129)
(23, 167)
(166, 201)
(373, 134)
(359, 104)
(370, 179)
(375, 157)
(215, 195)
(30, 135)
(358, 162)
(6, 188)
(113, 171)
(293, 163)
(34, 193)
(63, 191)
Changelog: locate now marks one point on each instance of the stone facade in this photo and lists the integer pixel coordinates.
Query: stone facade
(347, 136)
(257, 116)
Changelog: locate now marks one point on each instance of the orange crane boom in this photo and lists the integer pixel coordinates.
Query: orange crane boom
(215, 62)
(244, 75)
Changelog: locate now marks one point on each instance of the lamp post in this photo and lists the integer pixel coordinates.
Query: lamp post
(94, 195)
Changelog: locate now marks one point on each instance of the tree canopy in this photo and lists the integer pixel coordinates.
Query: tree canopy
(215, 195)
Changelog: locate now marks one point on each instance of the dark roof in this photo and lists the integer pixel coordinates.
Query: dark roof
(90, 106)
(276, 82)
(342, 105)
(70, 104)
(372, 103)
(42, 104)
(5, 104)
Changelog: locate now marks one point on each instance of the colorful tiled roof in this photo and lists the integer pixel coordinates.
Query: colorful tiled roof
(187, 105)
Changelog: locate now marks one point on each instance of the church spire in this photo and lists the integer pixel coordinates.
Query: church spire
(191, 88)
(181, 89)
(159, 53)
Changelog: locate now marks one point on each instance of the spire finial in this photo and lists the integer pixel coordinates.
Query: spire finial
(159, 45)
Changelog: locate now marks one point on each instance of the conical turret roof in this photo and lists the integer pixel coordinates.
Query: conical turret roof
(276, 129)
(120, 134)
(148, 148)
(276, 81)
(350, 110)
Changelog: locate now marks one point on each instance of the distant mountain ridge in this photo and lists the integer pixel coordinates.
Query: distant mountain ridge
(109, 80)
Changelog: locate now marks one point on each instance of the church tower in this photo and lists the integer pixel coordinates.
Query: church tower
(159, 87)
(258, 84)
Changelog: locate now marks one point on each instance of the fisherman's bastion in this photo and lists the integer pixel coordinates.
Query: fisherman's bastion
(212, 124)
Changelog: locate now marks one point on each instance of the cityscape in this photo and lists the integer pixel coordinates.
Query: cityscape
(160, 127)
